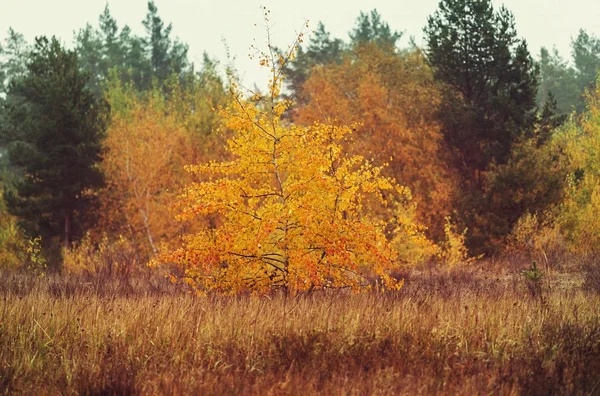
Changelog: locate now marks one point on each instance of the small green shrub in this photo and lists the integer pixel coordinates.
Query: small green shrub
(533, 280)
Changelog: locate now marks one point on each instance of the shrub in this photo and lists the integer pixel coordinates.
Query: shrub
(112, 258)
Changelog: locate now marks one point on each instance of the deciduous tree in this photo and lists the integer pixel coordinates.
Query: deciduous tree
(289, 207)
(393, 101)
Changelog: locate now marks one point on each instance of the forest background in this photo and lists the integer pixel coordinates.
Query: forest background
(495, 150)
(377, 218)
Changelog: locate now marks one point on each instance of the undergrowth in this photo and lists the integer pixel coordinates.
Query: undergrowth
(451, 332)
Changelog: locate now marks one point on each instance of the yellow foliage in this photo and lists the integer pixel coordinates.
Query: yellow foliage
(532, 235)
(409, 238)
(12, 240)
(393, 101)
(579, 212)
(145, 151)
(36, 262)
(109, 257)
(290, 208)
(453, 250)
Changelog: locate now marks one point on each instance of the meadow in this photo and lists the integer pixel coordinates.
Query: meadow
(474, 330)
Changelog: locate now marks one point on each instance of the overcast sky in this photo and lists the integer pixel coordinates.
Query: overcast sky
(203, 24)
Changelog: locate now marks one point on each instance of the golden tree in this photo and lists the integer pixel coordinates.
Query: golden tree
(290, 206)
(579, 211)
(145, 151)
(394, 100)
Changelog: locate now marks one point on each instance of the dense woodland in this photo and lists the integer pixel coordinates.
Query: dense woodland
(379, 220)
(360, 158)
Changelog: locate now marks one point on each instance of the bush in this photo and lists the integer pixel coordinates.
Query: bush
(111, 258)
(537, 240)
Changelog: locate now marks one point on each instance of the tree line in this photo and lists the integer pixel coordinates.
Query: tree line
(494, 149)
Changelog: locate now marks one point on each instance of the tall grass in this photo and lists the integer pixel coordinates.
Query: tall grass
(448, 333)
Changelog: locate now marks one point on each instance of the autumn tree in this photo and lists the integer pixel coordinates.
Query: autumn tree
(144, 151)
(152, 135)
(54, 129)
(393, 101)
(579, 211)
(289, 206)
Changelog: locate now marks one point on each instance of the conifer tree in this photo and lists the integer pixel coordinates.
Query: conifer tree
(490, 105)
(53, 130)
(476, 51)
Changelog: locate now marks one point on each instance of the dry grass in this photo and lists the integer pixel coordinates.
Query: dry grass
(446, 333)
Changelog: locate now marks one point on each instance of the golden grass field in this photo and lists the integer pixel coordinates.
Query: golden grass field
(461, 332)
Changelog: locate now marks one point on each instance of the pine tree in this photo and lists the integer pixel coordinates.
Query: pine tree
(490, 105)
(167, 57)
(586, 57)
(321, 50)
(12, 58)
(54, 129)
(371, 28)
(476, 51)
(559, 81)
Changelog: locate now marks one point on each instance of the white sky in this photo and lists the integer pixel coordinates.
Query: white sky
(202, 24)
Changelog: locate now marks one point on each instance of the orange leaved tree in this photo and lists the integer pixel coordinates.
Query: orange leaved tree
(145, 151)
(394, 100)
(289, 206)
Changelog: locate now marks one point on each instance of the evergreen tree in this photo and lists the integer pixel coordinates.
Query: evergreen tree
(559, 80)
(166, 56)
(371, 28)
(12, 58)
(586, 57)
(491, 103)
(54, 129)
(321, 50)
(476, 51)
(113, 51)
(135, 59)
(89, 50)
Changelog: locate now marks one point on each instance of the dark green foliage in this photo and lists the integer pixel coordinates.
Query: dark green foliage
(141, 60)
(532, 180)
(549, 119)
(370, 28)
(321, 50)
(533, 281)
(166, 56)
(53, 130)
(559, 80)
(490, 103)
(476, 51)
